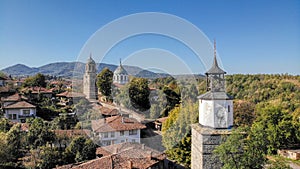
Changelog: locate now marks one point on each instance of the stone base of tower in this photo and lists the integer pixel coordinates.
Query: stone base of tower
(204, 141)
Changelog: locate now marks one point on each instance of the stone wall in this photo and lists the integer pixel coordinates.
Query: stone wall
(204, 141)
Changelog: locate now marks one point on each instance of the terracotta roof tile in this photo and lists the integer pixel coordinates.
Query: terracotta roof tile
(20, 104)
(130, 155)
(109, 112)
(14, 97)
(37, 89)
(72, 133)
(116, 123)
(70, 94)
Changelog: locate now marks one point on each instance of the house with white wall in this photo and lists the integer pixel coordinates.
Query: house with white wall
(117, 129)
(19, 111)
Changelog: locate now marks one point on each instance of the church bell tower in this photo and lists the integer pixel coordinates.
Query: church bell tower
(89, 79)
(215, 119)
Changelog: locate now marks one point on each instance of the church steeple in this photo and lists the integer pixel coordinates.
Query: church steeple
(215, 105)
(215, 75)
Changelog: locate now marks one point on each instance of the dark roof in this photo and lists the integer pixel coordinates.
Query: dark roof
(116, 123)
(18, 105)
(215, 96)
(2, 78)
(215, 69)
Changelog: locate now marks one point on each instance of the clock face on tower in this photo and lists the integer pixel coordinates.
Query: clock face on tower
(221, 117)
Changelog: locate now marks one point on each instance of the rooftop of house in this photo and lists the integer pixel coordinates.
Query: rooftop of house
(14, 98)
(161, 120)
(19, 105)
(70, 94)
(116, 123)
(73, 133)
(128, 156)
(109, 112)
(37, 89)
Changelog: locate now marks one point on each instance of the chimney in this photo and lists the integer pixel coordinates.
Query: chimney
(116, 150)
(143, 146)
(19, 94)
(150, 155)
(104, 120)
(122, 119)
(130, 164)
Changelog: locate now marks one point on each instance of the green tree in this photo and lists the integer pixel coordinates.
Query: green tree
(37, 80)
(104, 81)
(243, 113)
(239, 152)
(80, 149)
(49, 157)
(139, 93)
(5, 125)
(39, 133)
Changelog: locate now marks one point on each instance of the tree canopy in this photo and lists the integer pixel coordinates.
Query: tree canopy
(139, 93)
(104, 81)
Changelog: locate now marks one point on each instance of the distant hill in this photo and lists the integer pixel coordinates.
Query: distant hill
(66, 69)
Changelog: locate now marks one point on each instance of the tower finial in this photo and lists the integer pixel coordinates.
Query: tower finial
(215, 53)
(120, 62)
(90, 55)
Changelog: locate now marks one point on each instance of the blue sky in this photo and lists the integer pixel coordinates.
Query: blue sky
(259, 36)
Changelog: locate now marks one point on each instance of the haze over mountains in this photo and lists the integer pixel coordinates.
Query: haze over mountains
(66, 69)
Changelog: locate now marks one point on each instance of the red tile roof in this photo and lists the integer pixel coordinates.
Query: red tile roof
(116, 123)
(73, 133)
(130, 155)
(15, 97)
(109, 112)
(161, 120)
(70, 94)
(37, 89)
(20, 104)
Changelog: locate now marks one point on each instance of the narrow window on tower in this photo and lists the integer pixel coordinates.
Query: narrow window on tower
(228, 108)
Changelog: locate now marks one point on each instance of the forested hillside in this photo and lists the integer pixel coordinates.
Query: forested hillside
(267, 107)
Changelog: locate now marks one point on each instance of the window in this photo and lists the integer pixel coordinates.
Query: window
(112, 134)
(12, 116)
(105, 135)
(122, 141)
(228, 108)
(26, 112)
(121, 133)
(133, 140)
(106, 143)
(132, 132)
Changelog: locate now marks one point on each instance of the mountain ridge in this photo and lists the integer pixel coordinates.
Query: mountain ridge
(66, 69)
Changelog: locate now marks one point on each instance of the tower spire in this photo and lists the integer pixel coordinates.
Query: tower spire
(120, 62)
(215, 53)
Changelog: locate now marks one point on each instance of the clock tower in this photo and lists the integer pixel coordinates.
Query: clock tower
(215, 119)
(215, 106)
